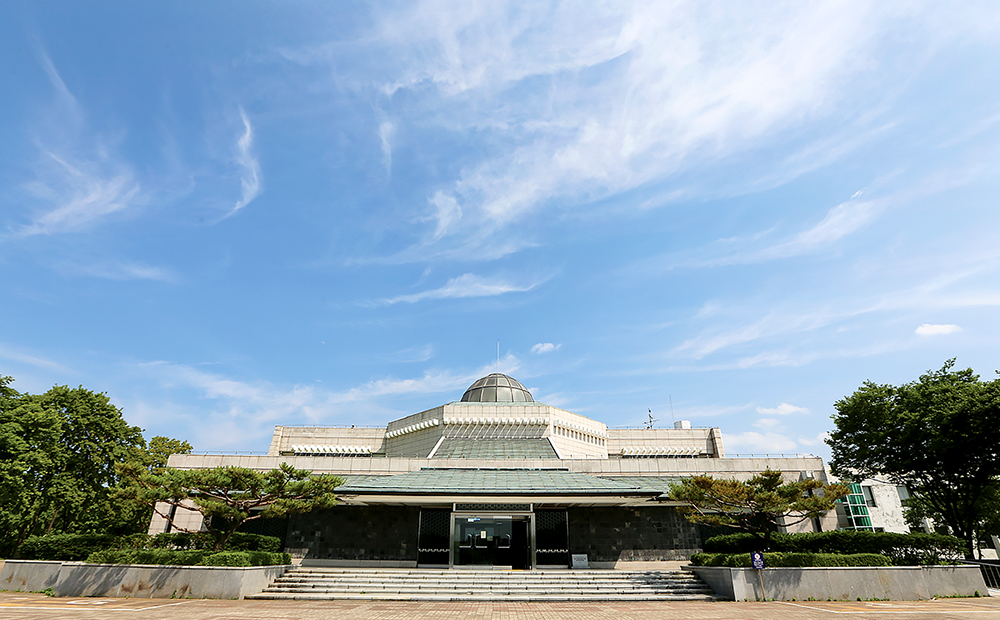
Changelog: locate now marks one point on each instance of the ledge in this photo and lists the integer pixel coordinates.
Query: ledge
(895, 583)
(137, 580)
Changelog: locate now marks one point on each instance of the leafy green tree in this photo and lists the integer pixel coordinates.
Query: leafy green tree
(58, 453)
(159, 450)
(917, 511)
(94, 437)
(758, 505)
(230, 496)
(114, 517)
(939, 436)
(29, 461)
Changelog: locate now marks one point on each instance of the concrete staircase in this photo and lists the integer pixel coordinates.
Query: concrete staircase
(307, 583)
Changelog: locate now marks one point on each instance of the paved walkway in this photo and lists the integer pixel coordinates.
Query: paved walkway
(37, 606)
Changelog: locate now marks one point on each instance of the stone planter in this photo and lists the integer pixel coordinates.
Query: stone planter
(896, 583)
(137, 581)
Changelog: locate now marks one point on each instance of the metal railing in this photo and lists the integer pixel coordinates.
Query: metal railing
(752, 455)
(990, 570)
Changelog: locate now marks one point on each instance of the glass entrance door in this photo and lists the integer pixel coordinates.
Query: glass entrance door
(491, 541)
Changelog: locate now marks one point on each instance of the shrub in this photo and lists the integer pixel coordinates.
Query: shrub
(227, 558)
(901, 549)
(239, 541)
(191, 557)
(771, 560)
(166, 557)
(66, 547)
(77, 547)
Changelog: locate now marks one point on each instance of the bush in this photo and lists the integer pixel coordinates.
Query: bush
(77, 547)
(901, 549)
(66, 547)
(192, 557)
(239, 541)
(772, 560)
(228, 558)
(166, 557)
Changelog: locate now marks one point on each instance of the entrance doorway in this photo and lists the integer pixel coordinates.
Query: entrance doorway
(492, 541)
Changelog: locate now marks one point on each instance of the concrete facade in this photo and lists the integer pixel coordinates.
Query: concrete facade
(610, 484)
(615, 536)
(356, 535)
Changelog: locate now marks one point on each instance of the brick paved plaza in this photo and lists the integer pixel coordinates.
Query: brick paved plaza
(36, 606)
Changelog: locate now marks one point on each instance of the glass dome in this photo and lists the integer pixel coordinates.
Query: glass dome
(497, 388)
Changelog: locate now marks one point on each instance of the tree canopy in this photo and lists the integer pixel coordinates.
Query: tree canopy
(939, 436)
(228, 496)
(58, 456)
(758, 505)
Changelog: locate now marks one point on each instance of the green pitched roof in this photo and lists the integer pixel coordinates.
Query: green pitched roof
(659, 484)
(453, 448)
(492, 482)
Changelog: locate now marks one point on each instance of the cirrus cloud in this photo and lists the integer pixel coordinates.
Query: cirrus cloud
(545, 347)
(466, 285)
(782, 409)
(929, 329)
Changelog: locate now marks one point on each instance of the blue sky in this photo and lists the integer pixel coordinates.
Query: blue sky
(234, 215)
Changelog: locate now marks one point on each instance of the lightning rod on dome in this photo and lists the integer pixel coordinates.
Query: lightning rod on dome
(498, 357)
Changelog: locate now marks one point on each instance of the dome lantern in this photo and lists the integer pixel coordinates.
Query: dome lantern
(497, 388)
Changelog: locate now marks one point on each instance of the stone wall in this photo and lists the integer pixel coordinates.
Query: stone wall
(893, 583)
(76, 579)
(616, 534)
(356, 533)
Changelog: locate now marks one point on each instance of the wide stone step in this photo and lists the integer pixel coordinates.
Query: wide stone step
(375, 579)
(482, 584)
(497, 587)
(457, 576)
(517, 598)
(319, 583)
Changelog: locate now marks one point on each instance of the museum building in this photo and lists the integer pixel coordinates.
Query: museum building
(499, 480)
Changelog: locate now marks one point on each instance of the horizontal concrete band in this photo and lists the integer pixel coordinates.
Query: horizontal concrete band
(137, 581)
(896, 583)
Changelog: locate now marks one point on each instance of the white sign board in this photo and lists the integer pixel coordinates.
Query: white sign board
(580, 560)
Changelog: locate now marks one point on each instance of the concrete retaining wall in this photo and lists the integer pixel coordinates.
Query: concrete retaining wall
(29, 575)
(896, 583)
(137, 581)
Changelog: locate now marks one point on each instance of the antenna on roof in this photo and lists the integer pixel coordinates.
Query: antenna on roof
(652, 420)
(672, 421)
(498, 357)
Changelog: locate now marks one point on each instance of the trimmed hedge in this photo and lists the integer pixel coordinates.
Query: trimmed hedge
(195, 557)
(901, 549)
(77, 547)
(772, 560)
(66, 547)
(239, 541)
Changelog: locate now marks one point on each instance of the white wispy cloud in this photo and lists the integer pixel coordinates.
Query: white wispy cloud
(782, 409)
(239, 410)
(818, 440)
(770, 424)
(928, 329)
(78, 179)
(771, 324)
(592, 103)
(122, 270)
(752, 442)
(250, 177)
(83, 192)
(385, 131)
(466, 285)
(545, 347)
(16, 354)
